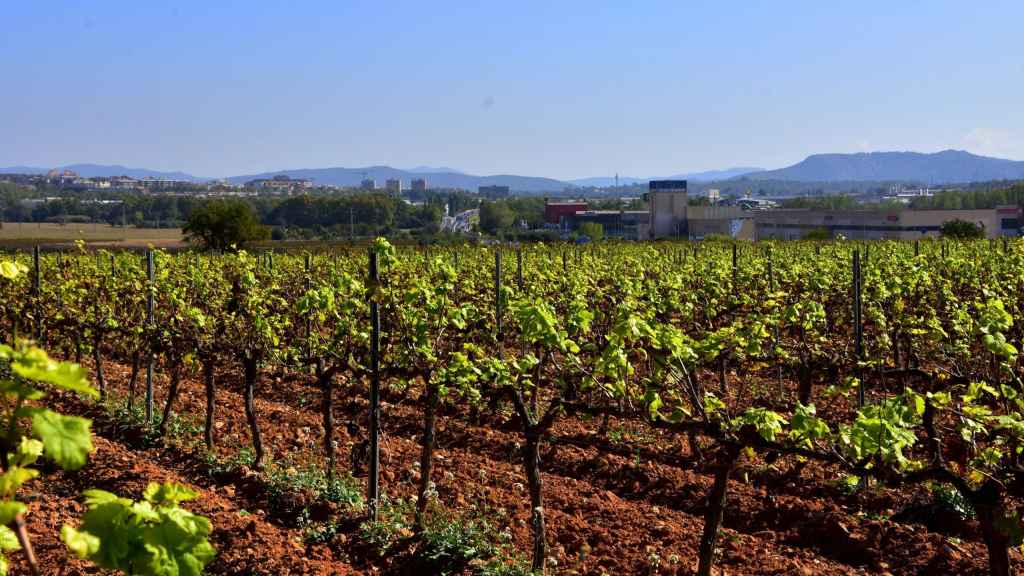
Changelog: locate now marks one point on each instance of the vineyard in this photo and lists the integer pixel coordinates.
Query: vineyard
(614, 408)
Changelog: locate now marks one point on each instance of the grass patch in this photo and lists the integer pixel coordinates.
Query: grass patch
(344, 489)
(450, 543)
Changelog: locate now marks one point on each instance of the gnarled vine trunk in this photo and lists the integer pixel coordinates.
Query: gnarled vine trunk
(716, 508)
(209, 383)
(805, 377)
(97, 358)
(533, 434)
(988, 505)
(531, 460)
(723, 375)
(995, 541)
(431, 398)
(172, 395)
(136, 362)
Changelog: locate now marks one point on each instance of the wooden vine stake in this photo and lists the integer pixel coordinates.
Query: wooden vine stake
(497, 295)
(150, 273)
(373, 483)
(775, 328)
(37, 294)
(734, 266)
(858, 327)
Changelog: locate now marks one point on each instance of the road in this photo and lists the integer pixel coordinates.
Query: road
(461, 222)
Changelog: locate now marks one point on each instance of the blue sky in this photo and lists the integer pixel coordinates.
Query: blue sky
(562, 89)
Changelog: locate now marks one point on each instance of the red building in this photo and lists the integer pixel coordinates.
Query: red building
(555, 211)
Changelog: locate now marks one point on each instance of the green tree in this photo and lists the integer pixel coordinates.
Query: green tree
(495, 217)
(592, 230)
(818, 234)
(962, 229)
(224, 225)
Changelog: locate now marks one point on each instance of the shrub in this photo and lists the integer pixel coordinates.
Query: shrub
(224, 225)
(592, 230)
(962, 230)
(818, 234)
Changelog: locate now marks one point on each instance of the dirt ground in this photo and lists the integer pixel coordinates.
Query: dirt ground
(630, 502)
(17, 234)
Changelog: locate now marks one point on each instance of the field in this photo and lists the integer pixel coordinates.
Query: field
(676, 408)
(27, 234)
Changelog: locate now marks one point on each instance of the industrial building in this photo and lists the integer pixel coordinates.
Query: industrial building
(567, 216)
(669, 215)
(624, 224)
(667, 202)
(732, 221)
(877, 224)
(557, 212)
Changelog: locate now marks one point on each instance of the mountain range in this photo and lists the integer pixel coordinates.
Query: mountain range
(96, 170)
(708, 176)
(454, 179)
(948, 166)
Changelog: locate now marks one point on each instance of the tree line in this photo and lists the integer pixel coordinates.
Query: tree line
(310, 216)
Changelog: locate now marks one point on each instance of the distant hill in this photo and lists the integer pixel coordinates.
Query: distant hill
(94, 170)
(22, 170)
(433, 170)
(712, 175)
(707, 176)
(353, 176)
(948, 166)
(606, 181)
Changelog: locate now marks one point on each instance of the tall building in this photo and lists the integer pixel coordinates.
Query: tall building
(393, 186)
(419, 185)
(368, 184)
(667, 201)
(493, 192)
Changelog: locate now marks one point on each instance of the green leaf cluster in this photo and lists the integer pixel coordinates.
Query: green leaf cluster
(152, 537)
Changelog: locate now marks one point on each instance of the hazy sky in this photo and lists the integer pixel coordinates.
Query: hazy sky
(561, 89)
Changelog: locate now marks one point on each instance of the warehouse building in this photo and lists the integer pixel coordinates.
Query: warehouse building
(671, 216)
(568, 216)
(732, 221)
(668, 215)
(625, 224)
(667, 203)
(878, 224)
(558, 213)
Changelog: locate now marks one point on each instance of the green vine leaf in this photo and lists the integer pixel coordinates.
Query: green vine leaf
(9, 509)
(66, 439)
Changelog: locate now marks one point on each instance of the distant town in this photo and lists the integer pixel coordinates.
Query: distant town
(281, 185)
(302, 208)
